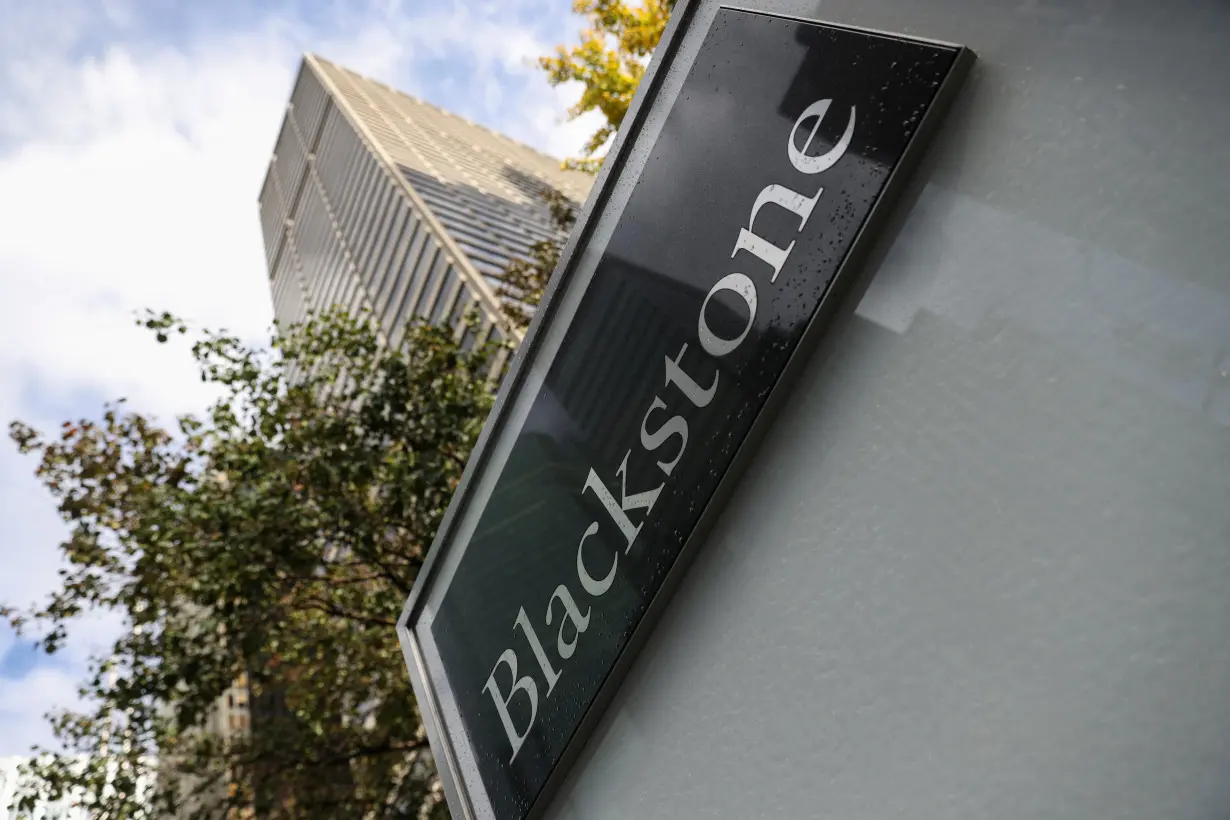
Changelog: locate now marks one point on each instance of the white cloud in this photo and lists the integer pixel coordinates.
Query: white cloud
(24, 702)
(503, 86)
(140, 192)
(129, 172)
(564, 137)
(134, 186)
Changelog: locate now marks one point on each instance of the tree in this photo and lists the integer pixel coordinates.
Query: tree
(609, 62)
(276, 537)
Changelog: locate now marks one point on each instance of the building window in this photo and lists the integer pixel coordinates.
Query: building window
(427, 295)
(448, 294)
(376, 219)
(385, 261)
(411, 244)
(464, 301)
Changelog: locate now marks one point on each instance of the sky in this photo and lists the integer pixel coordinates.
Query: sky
(134, 137)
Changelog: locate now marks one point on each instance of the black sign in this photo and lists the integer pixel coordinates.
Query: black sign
(783, 138)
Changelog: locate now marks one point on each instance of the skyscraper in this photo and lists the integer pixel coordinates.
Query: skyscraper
(375, 199)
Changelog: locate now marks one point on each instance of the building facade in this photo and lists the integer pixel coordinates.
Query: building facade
(377, 200)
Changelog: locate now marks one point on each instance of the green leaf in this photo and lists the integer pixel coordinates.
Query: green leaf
(271, 540)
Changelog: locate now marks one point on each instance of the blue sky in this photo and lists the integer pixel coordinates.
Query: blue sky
(134, 136)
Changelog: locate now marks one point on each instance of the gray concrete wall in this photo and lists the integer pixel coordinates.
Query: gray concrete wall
(981, 567)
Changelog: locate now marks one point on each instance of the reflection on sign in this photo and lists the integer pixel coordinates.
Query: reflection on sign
(781, 141)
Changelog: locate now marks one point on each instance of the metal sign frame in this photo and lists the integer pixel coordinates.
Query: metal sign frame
(628, 141)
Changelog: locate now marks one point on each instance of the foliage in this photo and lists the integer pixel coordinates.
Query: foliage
(609, 62)
(524, 281)
(275, 537)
